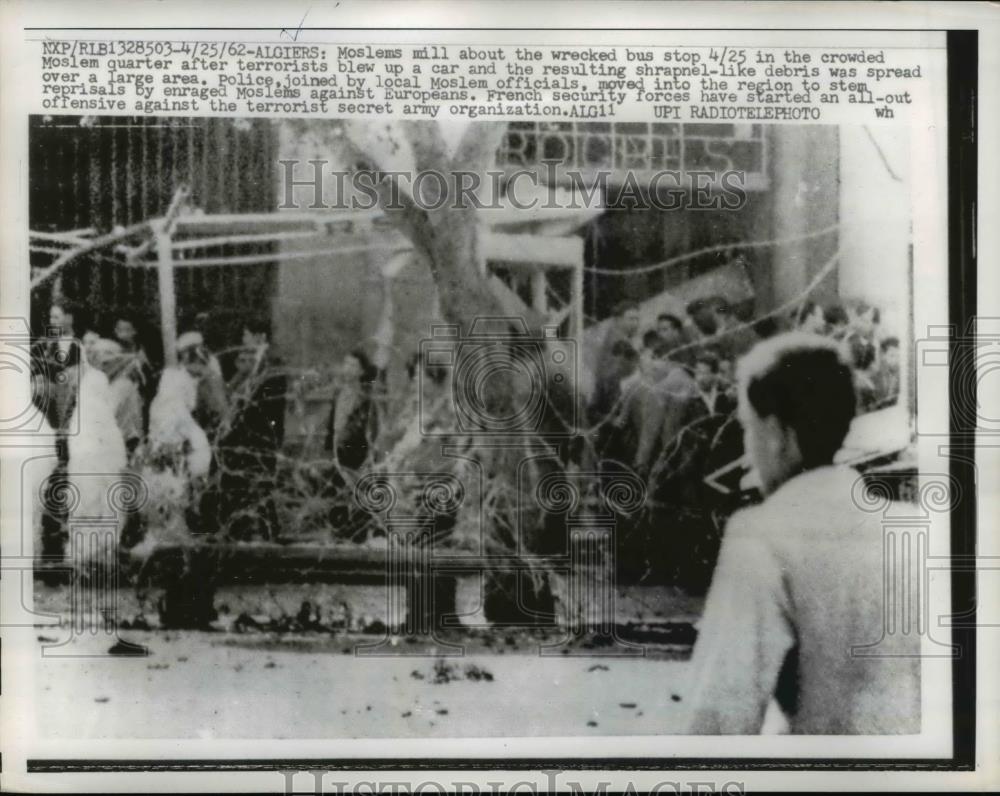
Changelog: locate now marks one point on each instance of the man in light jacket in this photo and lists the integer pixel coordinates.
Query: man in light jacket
(797, 593)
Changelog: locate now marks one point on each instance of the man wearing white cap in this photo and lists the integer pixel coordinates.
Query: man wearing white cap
(203, 367)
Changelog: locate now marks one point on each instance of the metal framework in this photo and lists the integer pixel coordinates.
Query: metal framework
(184, 238)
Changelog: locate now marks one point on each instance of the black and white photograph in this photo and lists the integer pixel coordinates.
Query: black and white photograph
(339, 398)
(571, 424)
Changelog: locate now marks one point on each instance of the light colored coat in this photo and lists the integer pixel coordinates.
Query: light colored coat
(804, 571)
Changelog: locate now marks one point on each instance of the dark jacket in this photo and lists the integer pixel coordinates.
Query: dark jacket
(60, 374)
(361, 428)
(257, 410)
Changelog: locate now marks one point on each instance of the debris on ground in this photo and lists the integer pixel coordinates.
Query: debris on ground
(598, 667)
(477, 673)
(445, 672)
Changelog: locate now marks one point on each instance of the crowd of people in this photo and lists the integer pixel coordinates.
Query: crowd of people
(664, 402)
(207, 433)
(653, 384)
(205, 445)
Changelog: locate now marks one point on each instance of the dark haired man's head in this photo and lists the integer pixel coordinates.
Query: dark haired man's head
(256, 331)
(126, 331)
(625, 358)
(669, 320)
(670, 328)
(701, 316)
(66, 317)
(706, 370)
(647, 356)
(711, 315)
(835, 316)
(246, 361)
(797, 401)
(627, 313)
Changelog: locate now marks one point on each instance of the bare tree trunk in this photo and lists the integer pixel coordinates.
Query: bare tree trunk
(448, 238)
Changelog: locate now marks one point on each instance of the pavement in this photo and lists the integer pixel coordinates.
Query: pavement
(222, 685)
